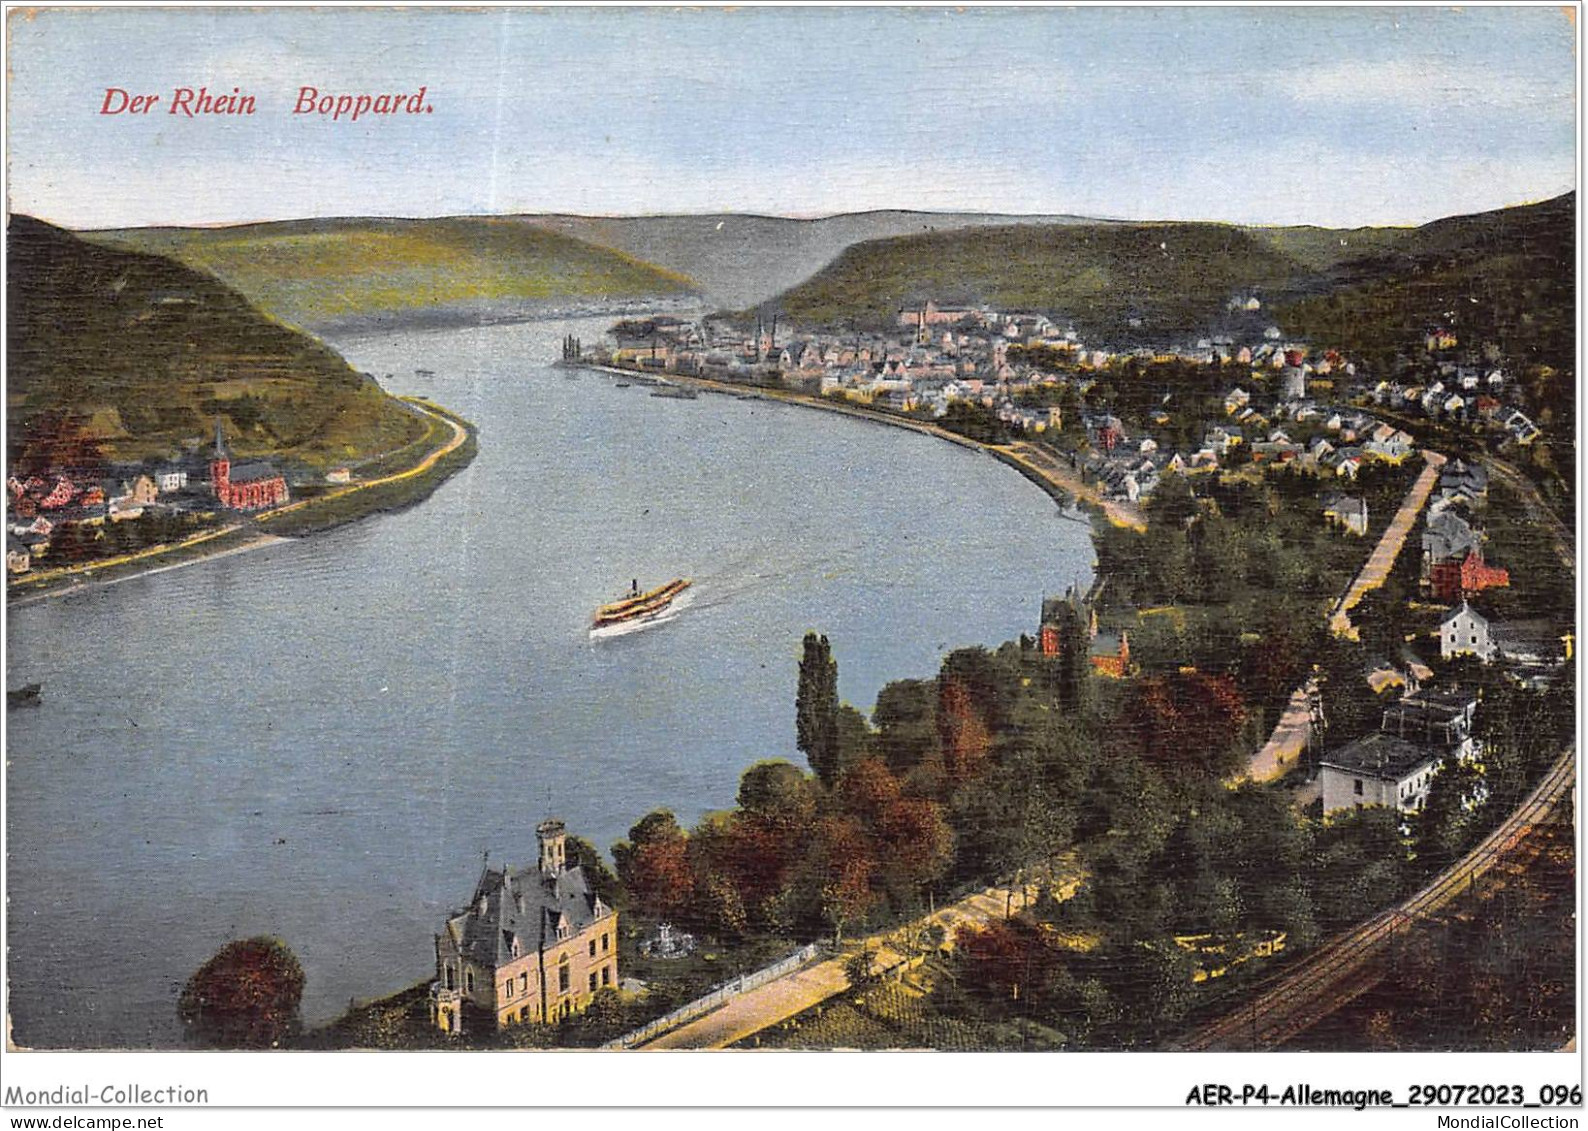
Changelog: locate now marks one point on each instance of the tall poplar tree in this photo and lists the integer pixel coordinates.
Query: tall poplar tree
(816, 708)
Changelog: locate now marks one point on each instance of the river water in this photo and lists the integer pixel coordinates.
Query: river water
(319, 739)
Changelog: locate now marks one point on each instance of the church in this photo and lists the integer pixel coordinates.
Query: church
(252, 486)
(533, 945)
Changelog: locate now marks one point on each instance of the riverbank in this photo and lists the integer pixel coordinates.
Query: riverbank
(1062, 484)
(448, 447)
(470, 315)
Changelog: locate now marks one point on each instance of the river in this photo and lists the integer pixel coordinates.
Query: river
(319, 739)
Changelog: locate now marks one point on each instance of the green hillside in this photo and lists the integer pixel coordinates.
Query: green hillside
(1506, 278)
(146, 353)
(322, 273)
(1323, 249)
(1169, 278)
(1503, 278)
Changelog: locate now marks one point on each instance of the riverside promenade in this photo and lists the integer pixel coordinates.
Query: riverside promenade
(809, 986)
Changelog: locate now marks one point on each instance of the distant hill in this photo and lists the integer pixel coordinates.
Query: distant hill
(1169, 277)
(739, 260)
(148, 352)
(1504, 277)
(324, 274)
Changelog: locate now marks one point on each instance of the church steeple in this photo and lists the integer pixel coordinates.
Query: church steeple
(221, 468)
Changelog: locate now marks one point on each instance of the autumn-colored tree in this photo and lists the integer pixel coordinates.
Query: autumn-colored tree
(844, 866)
(1187, 721)
(246, 996)
(655, 869)
(962, 727)
(865, 788)
(1010, 966)
(56, 440)
(915, 842)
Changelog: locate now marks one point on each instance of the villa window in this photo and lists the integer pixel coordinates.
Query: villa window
(452, 977)
(562, 977)
(468, 980)
(523, 983)
(606, 975)
(592, 948)
(1356, 786)
(603, 944)
(507, 989)
(592, 981)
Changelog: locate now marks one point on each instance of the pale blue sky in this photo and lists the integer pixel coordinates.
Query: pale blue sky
(1327, 115)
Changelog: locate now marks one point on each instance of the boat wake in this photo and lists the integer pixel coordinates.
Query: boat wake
(735, 580)
(625, 628)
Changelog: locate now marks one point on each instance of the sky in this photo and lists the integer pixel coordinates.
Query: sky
(1327, 115)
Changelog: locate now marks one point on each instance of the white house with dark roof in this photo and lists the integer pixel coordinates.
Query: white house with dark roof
(1465, 632)
(1381, 769)
(1346, 512)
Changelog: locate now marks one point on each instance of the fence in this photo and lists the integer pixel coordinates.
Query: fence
(724, 993)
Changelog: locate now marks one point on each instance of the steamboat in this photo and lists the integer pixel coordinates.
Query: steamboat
(639, 606)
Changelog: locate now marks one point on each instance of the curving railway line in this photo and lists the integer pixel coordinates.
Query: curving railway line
(1344, 967)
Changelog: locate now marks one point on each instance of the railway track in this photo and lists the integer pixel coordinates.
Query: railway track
(1340, 970)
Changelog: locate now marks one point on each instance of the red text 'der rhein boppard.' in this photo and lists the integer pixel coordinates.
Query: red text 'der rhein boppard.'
(190, 102)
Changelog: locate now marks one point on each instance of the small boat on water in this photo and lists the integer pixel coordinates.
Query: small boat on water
(25, 696)
(639, 606)
(623, 384)
(422, 373)
(675, 392)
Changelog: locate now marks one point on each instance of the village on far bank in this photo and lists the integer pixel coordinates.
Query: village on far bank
(72, 510)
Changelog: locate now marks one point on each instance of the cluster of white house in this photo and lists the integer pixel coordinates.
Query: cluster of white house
(1395, 764)
(1428, 729)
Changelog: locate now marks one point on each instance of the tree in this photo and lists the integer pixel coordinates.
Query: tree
(842, 866)
(247, 996)
(906, 719)
(582, 854)
(1074, 665)
(855, 736)
(816, 708)
(778, 788)
(858, 969)
(654, 867)
(1188, 721)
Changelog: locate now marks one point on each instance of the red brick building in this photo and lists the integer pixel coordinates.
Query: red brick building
(248, 486)
(1461, 577)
